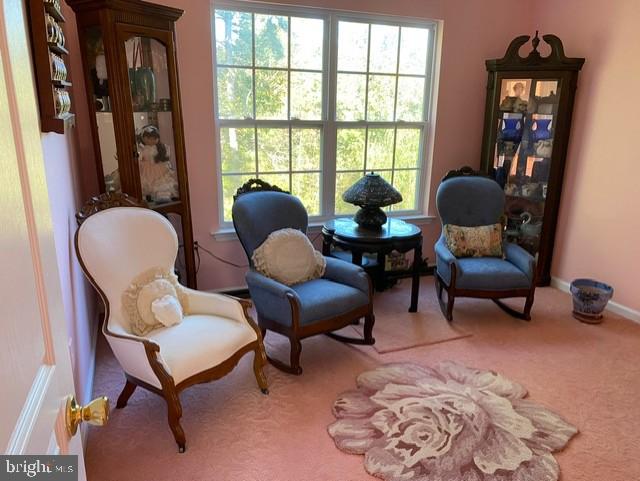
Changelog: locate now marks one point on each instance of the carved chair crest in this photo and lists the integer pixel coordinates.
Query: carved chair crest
(106, 201)
(465, 171)
(257, 185)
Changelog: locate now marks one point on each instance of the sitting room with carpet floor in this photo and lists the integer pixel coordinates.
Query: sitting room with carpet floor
(320, 240)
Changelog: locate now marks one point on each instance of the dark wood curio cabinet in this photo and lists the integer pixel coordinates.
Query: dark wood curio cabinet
(129, 61)
(526, 133)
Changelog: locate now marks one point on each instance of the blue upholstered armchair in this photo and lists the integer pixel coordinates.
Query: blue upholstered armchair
(468, 199)
(341, 297)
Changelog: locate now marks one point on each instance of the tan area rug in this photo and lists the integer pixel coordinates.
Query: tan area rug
(396, 329)
(399, 334)
(447, 422)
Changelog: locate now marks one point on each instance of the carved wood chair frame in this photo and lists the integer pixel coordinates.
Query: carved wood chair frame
(297, 332)
(169, 389)
(494, 295)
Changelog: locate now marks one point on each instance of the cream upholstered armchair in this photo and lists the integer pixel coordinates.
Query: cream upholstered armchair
(114, 246)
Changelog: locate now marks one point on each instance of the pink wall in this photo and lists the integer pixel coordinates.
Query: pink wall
(600, 183)
(60, 155)
(69, 168)
(599, 225)
(471, 34)
(594, 195)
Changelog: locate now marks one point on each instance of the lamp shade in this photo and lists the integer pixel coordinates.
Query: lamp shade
(373, 191)
(370, 193)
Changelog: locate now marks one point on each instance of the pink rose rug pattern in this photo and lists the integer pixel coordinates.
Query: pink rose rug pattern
(447, 423)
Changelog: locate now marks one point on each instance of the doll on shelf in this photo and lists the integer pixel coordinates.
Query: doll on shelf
(157, 176)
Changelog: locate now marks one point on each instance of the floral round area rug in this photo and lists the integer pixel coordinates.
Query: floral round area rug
(447, 423)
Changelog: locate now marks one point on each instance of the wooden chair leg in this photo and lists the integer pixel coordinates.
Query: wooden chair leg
(294, 356)
(283, 366)
(369, 321)
(294, 366)
(174, 413)
(258, 363)
(451, 288)
(446, 308)
(450, 301)
(528, 305)
(364, 341)
(126, 393)
(525, 315)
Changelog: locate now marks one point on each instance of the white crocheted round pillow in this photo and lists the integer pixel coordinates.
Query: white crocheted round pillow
(288, 256)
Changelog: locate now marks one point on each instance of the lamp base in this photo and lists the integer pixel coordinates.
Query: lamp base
(370, 217)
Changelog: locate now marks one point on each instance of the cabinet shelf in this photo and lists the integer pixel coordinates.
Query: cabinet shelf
(59, 49)
(535, 200)
(147, 112)
(57, 124)
(54, 12)
(164, 205)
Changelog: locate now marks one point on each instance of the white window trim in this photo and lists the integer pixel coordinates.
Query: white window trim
(331, 17)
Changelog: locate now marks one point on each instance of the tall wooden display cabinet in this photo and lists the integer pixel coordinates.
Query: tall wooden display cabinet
(129, 60)
(526, 133)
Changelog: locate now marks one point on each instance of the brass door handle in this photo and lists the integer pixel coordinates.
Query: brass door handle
(96, 413)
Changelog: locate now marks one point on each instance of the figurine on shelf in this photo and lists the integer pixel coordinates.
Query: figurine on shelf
(511, 130)
(515, 103)
(112, 181)
(142, 79)
(512, 189)
(157, 176)
(531, 190)
(543, 148)
(529, 228)
(99, 76)
(545, 99)
(541, 127)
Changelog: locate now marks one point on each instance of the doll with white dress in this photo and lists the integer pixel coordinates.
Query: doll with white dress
(158, 178)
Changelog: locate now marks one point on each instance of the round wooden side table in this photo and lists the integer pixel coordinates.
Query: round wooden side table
(395, 235)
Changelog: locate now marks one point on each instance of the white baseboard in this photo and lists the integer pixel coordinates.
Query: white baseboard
(222, 290)
(612, 306)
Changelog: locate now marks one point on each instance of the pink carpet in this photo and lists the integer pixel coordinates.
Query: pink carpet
(588, 374)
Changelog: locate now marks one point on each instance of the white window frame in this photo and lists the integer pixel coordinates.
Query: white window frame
(328, 122)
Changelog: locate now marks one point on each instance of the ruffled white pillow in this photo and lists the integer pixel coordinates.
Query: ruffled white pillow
(143, 305)
(288, 256)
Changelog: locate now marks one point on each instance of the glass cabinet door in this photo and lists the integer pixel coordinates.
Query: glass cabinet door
(525, 128)
(150, 90)
(101, 98)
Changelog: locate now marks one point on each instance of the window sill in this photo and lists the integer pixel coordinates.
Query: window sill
(225, 234)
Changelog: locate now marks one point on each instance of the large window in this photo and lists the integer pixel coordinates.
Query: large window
(310, 102)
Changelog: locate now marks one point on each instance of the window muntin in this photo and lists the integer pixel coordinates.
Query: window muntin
(286, 117)
(266, 87)
(380, 107)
